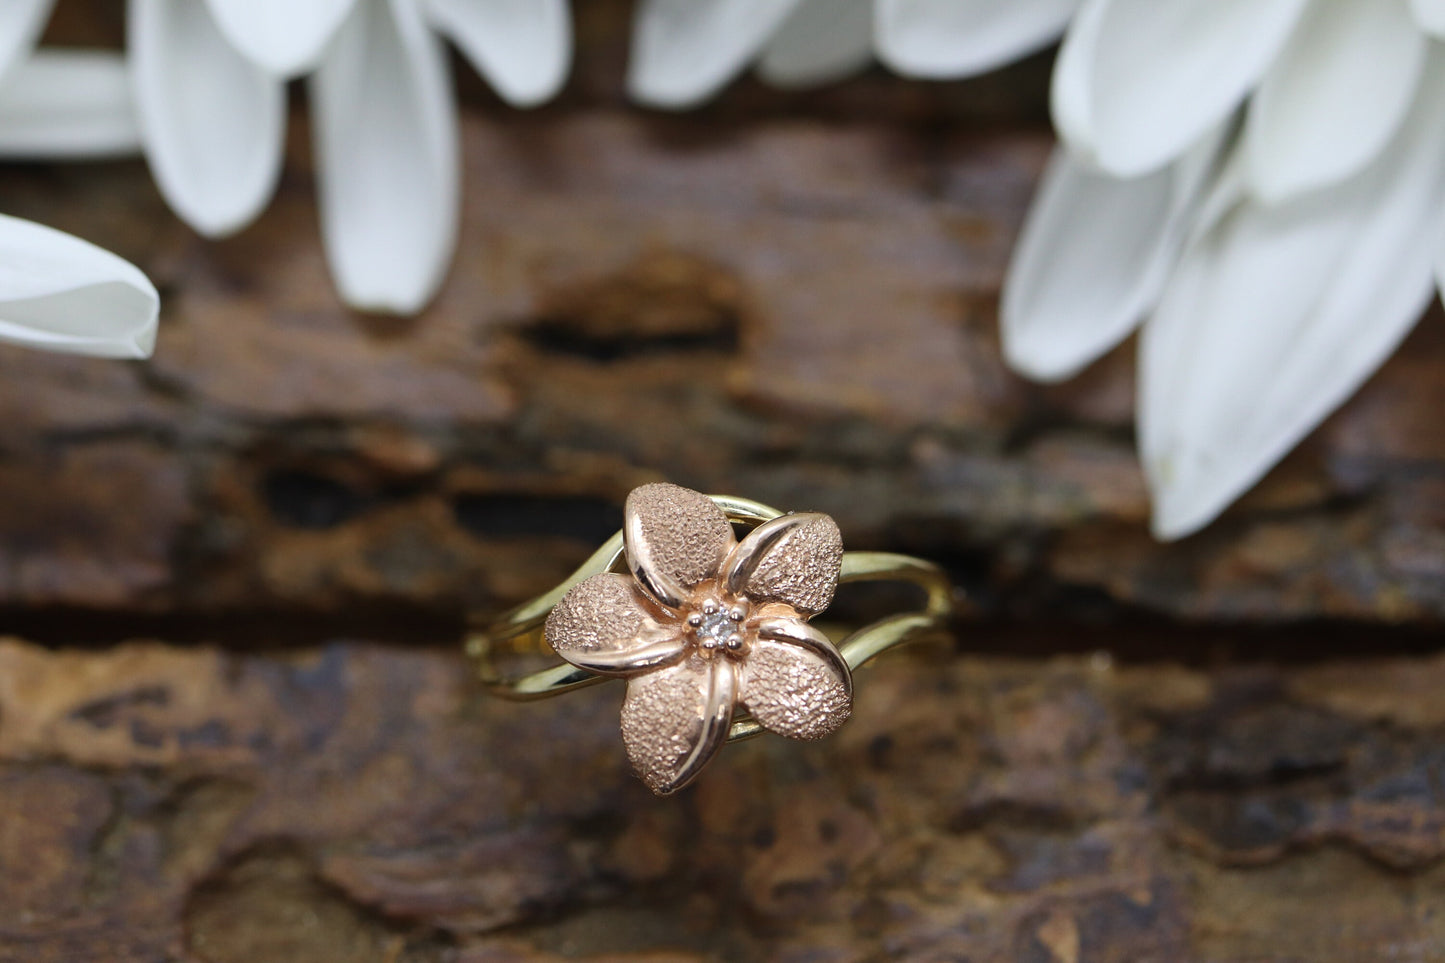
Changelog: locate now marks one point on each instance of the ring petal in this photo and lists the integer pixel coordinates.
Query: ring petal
(676, 538)
(603, 626)
(675, 720)
(795, 682)
(793, 559)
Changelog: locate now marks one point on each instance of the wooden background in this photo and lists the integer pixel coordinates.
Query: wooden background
(234, 720)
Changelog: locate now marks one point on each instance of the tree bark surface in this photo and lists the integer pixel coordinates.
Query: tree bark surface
(366, 803)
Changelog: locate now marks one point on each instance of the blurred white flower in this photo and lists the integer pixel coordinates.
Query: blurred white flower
(210, 89)
(1265, 181)
(60, 293)
(59, 103)
(684, 51)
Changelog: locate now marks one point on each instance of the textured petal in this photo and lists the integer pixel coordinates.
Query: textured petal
(68, 103)
(389, 159)
(283, 37)
(523, 47)
(1277, 314)
(793, 559)
(1334, 98)
(1159, 75)
(1430, 15)
(603, 625)
(684, 51)
(676, 539)
(60, 293)
(794, 681)
(820, 42)
(21, 23)
(941, 39)
(213, 122)
(675, 719)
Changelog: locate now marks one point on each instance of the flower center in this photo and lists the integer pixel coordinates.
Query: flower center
(718, 628)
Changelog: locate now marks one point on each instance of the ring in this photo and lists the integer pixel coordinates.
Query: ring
(711, 633)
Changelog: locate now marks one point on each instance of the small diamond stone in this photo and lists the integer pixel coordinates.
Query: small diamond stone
(715, 629)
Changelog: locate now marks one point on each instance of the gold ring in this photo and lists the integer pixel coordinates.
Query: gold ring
(711, 633)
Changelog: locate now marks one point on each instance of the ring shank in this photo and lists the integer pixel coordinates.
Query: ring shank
(521, 629)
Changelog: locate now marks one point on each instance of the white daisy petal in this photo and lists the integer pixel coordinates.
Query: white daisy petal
(1430, 15)
(1161, 74)
(282, 37)
(684, 51)
(389, 179)
(522, 47)
(1440, 258)
(942, 39)
(1093, 256)
(21, 23)
(1091, 259)
(822, 41)
(60, 293)
(216, 165)
(1278, 313)
(68, 103)
(1070, 93)
(1334, 98)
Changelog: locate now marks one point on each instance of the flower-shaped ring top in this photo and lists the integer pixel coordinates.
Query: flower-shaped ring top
(705, 624)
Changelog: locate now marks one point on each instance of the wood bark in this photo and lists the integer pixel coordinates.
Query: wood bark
(798, 310)
(366, 803)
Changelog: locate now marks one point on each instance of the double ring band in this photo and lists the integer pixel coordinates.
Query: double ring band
(713, 634)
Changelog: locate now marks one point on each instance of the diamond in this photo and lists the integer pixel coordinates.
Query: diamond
(714, 629)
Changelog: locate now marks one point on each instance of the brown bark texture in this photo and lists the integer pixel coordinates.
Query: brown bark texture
(365, 803)
(782, 296)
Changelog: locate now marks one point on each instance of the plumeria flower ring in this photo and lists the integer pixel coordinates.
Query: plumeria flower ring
(705, 624)
(1261, 184)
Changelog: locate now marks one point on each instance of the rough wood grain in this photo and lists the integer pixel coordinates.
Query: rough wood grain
(365, 803)
(796, 310)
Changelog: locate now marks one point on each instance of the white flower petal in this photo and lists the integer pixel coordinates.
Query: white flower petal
(522, 47)
(1070, 92)
(68, 103)
(1278, 313)
(942, 39)
(1091, 259)
(213, 123)
(283, 37)
(684, 51)
(1440, 257)
(389, 177)
(1093, 256)
(60, 293)
(1430, 15)
(21, 23)
(1161, 74)
(1334, 98)
(822, 41)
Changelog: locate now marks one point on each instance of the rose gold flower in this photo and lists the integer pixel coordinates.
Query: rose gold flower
(706, 624)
